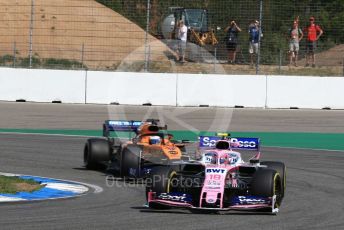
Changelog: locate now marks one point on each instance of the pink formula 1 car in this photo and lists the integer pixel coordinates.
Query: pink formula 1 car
(220, 180)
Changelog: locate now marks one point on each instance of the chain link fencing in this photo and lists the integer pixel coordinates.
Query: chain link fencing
(142, 35)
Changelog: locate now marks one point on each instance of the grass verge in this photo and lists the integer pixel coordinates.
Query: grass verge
(13, 184)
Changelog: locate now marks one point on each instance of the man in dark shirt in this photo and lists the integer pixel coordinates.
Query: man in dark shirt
(232, 40)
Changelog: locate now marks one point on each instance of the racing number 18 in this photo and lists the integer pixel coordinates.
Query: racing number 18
(214, 177)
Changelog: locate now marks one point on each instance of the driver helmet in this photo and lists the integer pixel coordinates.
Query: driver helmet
(154, 140)
(209, 158)
(223, 159)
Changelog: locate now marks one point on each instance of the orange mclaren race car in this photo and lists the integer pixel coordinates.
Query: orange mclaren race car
(150, 146)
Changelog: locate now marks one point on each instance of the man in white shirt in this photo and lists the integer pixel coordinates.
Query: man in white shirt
(182, 37)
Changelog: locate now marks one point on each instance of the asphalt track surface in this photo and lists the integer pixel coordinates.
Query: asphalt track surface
(314, 196)
(76, 116)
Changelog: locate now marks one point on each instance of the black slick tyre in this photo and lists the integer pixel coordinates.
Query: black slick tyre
(96, 153)
(160, 181)
(130, 165)
(281, 169)
(267, 183)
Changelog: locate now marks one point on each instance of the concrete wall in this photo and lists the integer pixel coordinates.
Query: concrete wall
(221, 90)
(171, 89)
(131, 88)
(42, 85)
(305, 92)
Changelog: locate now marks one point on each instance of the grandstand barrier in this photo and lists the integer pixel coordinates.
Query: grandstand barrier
(171, 89)
(39, 85)
(131, 88)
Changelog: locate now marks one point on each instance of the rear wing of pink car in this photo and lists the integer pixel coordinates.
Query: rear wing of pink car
(243, 143)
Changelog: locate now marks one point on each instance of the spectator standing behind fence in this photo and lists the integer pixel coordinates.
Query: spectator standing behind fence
(295, 36)
(182, 39)
(313, 33)
(232, 40)
(254, 31)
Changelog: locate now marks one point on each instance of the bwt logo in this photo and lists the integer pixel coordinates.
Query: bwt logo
(244, 144)
(219, 171)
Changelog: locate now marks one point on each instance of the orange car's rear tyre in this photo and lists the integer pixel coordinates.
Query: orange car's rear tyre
(96, 152)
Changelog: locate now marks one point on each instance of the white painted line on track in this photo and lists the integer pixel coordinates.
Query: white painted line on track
(68, 187)
(97, 189)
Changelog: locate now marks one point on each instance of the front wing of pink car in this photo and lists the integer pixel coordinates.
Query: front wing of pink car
(237, 203)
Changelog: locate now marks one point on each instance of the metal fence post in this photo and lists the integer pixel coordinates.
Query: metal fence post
(260, 35)
(148, 62)
(343, 66)
(82, 55)
(14, 53)
(280, 61)
(146, 36)
(31, 31)
(215, 59)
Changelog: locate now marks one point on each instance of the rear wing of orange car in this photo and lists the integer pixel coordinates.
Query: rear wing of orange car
(120, 126)
(127, 126)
